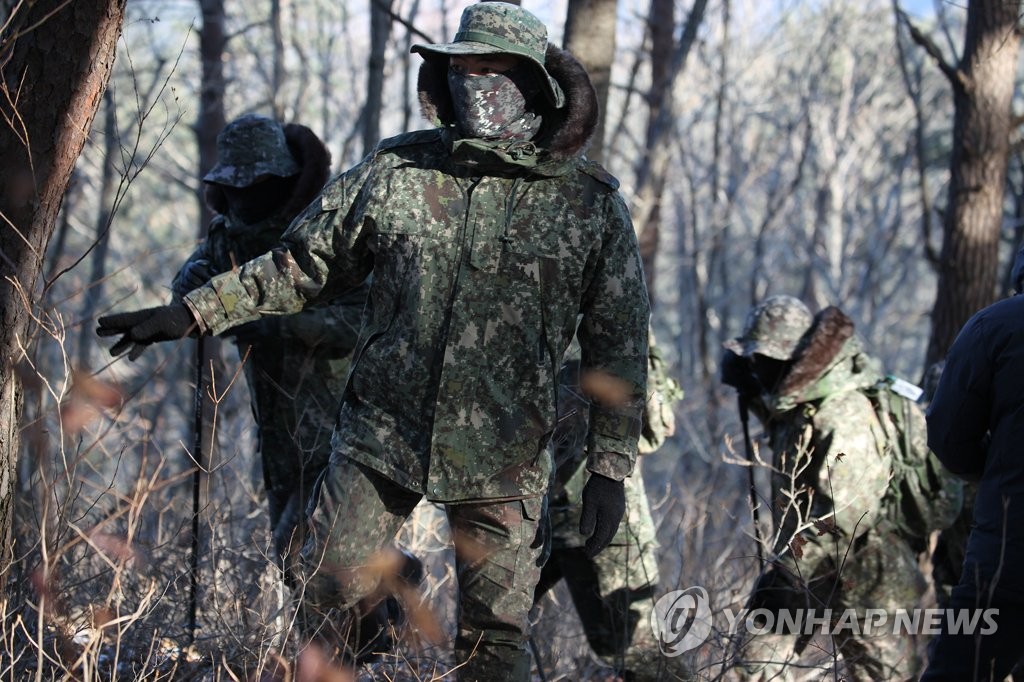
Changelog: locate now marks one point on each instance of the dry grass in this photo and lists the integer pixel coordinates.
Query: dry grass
(100, 587)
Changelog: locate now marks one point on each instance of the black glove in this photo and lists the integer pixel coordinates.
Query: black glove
(193, 275)
(738, 372)
(253, 332)
(604, 503)
(140, 328)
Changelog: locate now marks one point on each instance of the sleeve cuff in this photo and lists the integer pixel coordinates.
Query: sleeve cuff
(613, 465)
(200, 322)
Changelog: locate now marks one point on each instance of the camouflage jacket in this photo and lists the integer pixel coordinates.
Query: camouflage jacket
(569, 450)
(830, 472)
(305, 360)
(483, 260)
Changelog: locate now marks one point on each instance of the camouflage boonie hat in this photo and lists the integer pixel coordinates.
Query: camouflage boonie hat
(773, 328)
(500, 28)
(248, 150)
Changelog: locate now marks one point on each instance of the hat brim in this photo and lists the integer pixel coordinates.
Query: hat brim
(234, 176)
(747, 348)
(469, 47)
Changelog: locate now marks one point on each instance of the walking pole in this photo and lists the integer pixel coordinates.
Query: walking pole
(197, 455)
(744, 418)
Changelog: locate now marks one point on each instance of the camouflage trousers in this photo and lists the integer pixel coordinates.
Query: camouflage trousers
(614, 596)
(498, 548)
(881, 572)
(613, 592)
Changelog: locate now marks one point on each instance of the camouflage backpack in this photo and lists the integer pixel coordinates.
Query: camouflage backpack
(923, 497)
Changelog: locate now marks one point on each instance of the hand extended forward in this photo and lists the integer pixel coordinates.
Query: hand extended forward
(140, 328)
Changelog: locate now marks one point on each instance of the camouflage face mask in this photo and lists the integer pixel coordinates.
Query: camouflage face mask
(494, 106)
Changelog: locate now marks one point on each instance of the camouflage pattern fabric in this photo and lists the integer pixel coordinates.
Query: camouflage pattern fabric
(614, 591)
(663, 392)
(500, 27)
(773, 328)
(951, 548)
(923, 496)
(884, 574)
(295, 375)
(830, 476)
(493, 106)
(498, 555)
(486, 259)
(249, 149)
(478, 283)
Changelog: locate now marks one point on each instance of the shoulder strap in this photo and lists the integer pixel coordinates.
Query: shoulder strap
(414, 137)
(597, 171)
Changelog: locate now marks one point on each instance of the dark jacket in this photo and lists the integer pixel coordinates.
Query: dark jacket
(296, 368)
(976, 428)
(486, 260)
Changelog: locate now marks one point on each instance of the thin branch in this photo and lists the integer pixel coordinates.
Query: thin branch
(408, 25)
(956, 77)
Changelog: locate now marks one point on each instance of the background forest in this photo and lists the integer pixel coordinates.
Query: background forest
(818, 148)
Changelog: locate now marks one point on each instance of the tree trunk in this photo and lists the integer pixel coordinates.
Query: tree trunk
(667, 62)
(380, 34)
(278, 75)
(56, 61)
(98, 258)
(208, 368)
(590, 37)
(210, 121)
(983, 85)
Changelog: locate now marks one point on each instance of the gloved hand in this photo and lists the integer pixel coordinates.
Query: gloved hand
(193, 275)
(255, 331)
(738, 372)
(604, 503)
(140, 328)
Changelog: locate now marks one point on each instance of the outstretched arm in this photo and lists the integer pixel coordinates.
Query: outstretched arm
(140, 328)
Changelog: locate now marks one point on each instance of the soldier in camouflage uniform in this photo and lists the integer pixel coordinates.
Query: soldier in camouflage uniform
(295, 365)
(613, 592)
(491, 241)
(835, 543)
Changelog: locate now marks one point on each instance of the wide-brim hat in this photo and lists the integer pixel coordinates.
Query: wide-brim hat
(500, 28)
(249, 149)
(773, 328)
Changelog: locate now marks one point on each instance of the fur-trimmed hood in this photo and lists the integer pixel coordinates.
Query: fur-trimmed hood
(829, 359)
(566, 132)
(314, 160)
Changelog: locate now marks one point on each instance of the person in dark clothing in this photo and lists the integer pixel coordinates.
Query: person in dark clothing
(295, 365)
(975, 427)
